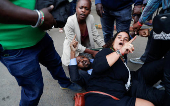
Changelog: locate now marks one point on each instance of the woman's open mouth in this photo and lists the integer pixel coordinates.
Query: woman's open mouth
(121, 43)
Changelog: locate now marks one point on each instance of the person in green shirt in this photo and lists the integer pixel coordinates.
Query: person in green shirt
(24, 44)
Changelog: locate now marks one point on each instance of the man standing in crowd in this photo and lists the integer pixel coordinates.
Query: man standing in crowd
(159, 47)
(111, 10)
(24, 44)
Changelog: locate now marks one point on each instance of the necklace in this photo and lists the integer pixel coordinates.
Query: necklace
(128, 84)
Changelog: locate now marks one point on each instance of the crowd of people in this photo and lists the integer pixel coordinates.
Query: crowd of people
(24, 43)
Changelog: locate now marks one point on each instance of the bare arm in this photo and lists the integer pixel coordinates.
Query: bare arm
(112, 58)
(92, 52)
(12, 14)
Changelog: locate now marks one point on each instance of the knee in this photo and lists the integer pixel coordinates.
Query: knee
(38, 87)
(142, 102)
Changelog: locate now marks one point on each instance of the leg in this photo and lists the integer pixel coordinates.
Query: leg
(158, 48)
(144, 78)
(152, 72)
(143, 57)
(123, 19)
(167, 79)
(24, 66)
(142, 102)
(107, 22)
(140, 90)
(50, 59)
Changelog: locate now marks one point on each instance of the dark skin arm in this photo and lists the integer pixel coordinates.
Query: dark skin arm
(91, 52)
(99, 9)
(12, 14)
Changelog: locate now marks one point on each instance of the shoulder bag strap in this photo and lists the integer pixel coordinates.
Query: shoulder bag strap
(103, 94)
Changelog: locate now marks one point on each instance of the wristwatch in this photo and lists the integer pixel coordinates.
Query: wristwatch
(118, 52)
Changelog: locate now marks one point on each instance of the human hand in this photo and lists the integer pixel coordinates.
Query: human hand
(99, 9)
(49, 20)
(128, 47)
(73, 44)
(137, 9)
(144, 32)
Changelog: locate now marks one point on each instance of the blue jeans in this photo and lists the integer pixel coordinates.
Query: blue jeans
(23, 64)
(73, 7)
(123, 20)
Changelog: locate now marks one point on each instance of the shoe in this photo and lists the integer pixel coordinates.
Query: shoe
(136, 60)
(61, 30)
(73, 87)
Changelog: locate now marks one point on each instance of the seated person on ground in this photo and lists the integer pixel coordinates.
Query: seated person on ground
(82, 25)
(111, 75)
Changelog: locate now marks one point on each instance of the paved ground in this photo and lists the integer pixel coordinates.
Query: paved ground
(53, 95)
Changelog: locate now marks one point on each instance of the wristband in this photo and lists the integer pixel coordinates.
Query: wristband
(39, 19)
(139, 24)
(142, 9)
(42, 18)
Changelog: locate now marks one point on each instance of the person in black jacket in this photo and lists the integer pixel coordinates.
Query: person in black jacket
(111, 75)
(80, 67)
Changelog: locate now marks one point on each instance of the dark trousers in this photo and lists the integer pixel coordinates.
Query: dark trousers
(73, 7)
(158, 50)
(23, 64)
(122, 18)
(143, 80)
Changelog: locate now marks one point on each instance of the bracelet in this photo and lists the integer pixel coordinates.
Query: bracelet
(118, 52)
(139, 24)
(142, 9)
(39, 19)
(42, 18)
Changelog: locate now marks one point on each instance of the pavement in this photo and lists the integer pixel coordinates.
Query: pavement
(52, 94)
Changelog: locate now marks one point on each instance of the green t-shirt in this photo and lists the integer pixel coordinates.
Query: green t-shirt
(16, 36)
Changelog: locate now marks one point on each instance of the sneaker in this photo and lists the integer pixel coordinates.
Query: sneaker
(136, 60)
(73, 87)
(61, 30)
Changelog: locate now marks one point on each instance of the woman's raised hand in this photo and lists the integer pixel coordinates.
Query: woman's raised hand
(73, 44)
(128, 47)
